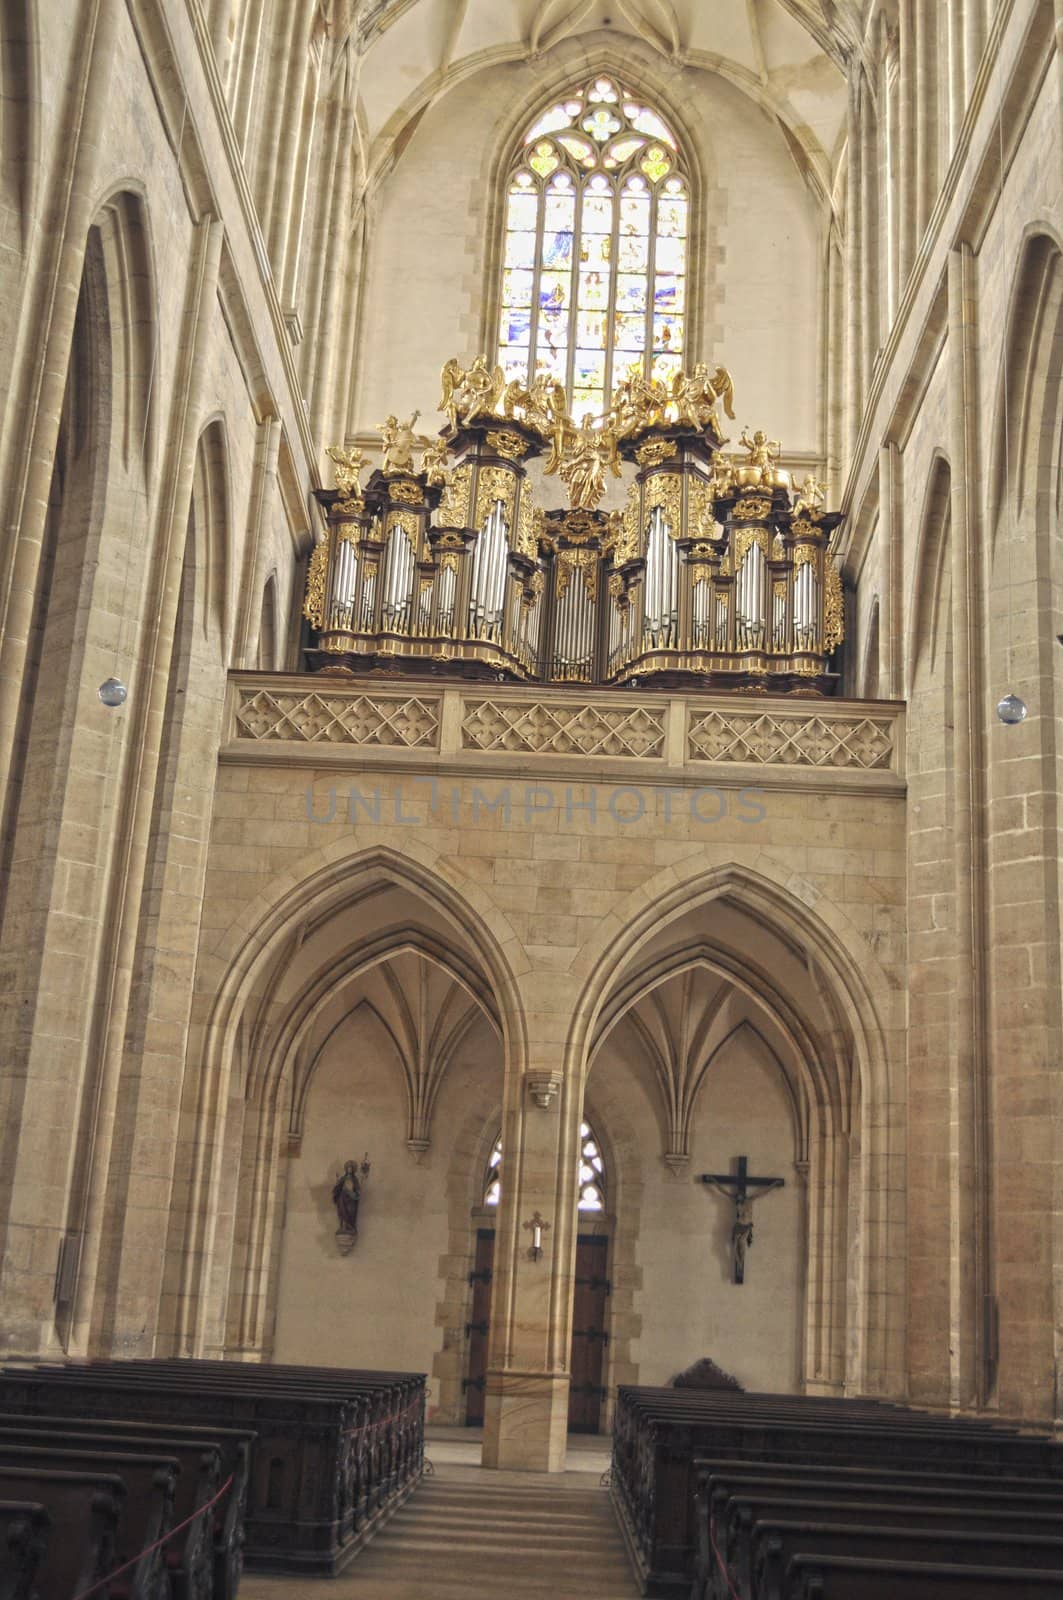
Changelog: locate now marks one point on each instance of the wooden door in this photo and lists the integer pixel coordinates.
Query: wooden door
(477, 1326)
(589, 1337)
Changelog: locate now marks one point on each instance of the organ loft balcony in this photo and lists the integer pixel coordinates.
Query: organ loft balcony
(715, 574)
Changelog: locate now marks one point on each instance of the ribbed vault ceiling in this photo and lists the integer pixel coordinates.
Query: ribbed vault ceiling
(790, 55)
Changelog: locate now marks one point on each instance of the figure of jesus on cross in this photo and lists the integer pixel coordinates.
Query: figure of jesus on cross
(736, 1186)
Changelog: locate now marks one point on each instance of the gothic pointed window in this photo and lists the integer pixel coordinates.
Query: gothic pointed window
(594, 272)
(590, 1176)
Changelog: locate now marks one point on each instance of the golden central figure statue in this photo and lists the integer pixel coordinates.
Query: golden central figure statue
(590, 452)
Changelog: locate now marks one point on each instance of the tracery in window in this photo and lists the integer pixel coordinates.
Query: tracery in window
(590, 1176)
(594, 270)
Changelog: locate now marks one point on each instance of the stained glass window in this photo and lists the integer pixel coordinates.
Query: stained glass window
(590, 1176)
(594, 260)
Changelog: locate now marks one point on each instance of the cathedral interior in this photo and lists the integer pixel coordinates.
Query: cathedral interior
(531, 696)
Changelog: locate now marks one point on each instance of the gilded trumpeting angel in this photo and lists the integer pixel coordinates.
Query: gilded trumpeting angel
(349, 465)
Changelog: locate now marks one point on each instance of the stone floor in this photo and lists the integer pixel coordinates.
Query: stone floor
(467, 1531)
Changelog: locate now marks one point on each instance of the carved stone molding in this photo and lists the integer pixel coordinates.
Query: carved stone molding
(677, 1162)
(409, 722)
(766, 739)
(561, 728)
(542, 1087)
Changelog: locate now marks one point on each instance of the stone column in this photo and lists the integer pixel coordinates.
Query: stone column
(891, 643)
(854, 252)
(907, 142)
(138, 1159)
(526, 1399)
(969, 1130)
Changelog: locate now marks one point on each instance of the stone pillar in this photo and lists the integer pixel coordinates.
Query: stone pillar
(969, 1131)
(907, 143)
(854, 397)
(125, 1201)
(526, 1398)
(891, 642)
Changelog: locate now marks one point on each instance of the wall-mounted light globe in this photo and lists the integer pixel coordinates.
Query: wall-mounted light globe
(112, 692)
(1011, 709)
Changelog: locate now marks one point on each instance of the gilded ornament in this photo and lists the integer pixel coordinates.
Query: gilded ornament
(700, 573)
(585, 561)
(699, 506)
(527, 525)
(532, 590)
(580, 527)
(349, 465)
(448, 561)
(509, 445)
(744, 538)
(316, 575)
(805, 554)
(664, 490)
(803, 529)
(833, 607)
(407, 521)
(454, 506)
(406, 490)
(754, 507)
(494, 484)
(654, 451)
(346, 508)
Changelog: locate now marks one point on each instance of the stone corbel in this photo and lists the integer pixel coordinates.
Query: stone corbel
(417, 1148)
(677, 1162)
(542, 1087)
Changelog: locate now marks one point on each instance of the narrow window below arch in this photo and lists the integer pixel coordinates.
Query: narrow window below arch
(591, 1175)
(594, 273)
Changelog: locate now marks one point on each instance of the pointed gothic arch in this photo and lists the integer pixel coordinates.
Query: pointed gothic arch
(239, 1026)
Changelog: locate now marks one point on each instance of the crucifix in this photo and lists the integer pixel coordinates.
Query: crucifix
(736, 1186)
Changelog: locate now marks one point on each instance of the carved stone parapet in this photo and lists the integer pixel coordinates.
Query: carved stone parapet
(542, 1087)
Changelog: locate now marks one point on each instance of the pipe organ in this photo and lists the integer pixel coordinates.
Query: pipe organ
(715, 570)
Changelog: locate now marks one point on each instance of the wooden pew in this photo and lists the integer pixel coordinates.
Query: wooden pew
(850, 1578)
(24, 1529)
(148, 1511)
(234, 1446)
(189, 1556)
(658, 1433)
(336, 1452)
(729, 1502)
(776, 1543)
(84, 1508)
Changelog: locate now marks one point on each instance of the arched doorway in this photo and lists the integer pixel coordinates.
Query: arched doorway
(588, 1364)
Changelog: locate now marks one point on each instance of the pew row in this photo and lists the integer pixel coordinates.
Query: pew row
(336, 1451)
(660, 1434)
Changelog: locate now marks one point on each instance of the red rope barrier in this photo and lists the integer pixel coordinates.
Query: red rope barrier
(719, 1559)
(181, 1526)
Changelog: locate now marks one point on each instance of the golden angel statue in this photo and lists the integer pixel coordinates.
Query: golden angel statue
(637, 403)
(589, 453)
(349, 465)
(810, 497)
(470, 393)
(761, 467)
(399, 440)
(433, 466)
